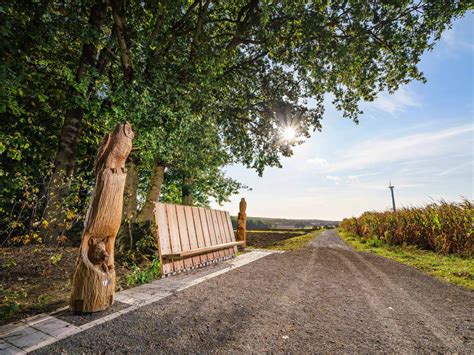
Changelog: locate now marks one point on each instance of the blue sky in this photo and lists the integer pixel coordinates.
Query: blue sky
(422, 138)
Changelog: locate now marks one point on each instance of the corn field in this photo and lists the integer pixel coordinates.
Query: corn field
(444, 227)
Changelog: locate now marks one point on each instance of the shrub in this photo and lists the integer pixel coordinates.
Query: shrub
(142, 276)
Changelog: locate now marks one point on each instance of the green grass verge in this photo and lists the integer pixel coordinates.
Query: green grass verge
(293, 243)
(455, 269)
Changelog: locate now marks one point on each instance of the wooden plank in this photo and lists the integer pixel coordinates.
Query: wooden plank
(230, 229)
(206, 232)
(183, 234)
(193, 241)
(199, 251)
(225, 237)
(220, 237)
(212, 232)
(199, 233)
(226, 232)
(163, 237)
(230, 237)
(174, 235)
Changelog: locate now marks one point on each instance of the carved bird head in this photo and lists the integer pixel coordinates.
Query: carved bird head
(127, 130)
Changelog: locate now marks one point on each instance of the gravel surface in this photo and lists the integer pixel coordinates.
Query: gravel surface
(323, 298)
(83, 318)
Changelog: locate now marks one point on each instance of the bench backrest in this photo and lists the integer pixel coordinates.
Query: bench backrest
(190, 237)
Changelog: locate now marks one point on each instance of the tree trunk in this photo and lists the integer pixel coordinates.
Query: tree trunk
(153, 194)
(186, 191)
(130, 203)
(58, 187)
(93, 283)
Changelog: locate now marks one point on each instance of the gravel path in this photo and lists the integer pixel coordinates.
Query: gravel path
(323, 298)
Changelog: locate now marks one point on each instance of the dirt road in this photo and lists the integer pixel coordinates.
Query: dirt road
(323, 298)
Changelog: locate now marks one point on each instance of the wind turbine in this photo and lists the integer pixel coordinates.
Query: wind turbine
(391, 187)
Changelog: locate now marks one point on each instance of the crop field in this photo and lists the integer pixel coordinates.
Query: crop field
(446, 228)
(278, 239)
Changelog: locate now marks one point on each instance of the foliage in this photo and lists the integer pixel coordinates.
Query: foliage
(140, 275)
(9, 264)
(10, 301)
(44, 300)
(204, 84)
(442, 227)
(452, 268)
(56, 258)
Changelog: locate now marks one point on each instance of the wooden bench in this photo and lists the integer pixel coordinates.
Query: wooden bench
(190, 237)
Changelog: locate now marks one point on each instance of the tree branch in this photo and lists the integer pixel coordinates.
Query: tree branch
(119, 27)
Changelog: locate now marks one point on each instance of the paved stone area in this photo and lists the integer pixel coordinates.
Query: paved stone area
(44, 329)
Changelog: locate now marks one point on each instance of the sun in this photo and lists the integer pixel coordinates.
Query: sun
(289, 133)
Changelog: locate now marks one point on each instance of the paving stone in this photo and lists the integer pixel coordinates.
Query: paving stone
(123, 298)
(55, 327)
(10, 327)
(26, 337)
(37, 318)
(7, 349)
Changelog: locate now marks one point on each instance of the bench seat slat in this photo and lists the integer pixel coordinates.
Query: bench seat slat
(204, 250)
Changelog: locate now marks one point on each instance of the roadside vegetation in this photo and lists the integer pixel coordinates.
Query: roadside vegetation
(436, 238)
(446, 228)
(452, 268)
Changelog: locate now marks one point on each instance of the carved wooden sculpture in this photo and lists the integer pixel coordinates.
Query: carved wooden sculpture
(242, 222)
(94, 278)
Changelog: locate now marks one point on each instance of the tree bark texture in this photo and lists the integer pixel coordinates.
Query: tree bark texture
(153, 194)
(130, 204)
(119, 29)
(93, 283)
(186, 194)
(242, 222)
(58, 187)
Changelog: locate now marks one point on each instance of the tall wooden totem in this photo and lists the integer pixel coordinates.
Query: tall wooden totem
(242, 222)
(94, 277)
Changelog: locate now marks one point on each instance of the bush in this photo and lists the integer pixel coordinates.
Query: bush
(443, 227)
(142, 276)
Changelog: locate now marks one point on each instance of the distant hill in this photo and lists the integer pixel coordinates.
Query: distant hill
(284, 223)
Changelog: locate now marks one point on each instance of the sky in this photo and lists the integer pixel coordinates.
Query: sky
(421, 138)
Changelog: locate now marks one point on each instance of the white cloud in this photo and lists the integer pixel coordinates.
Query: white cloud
(456, 168)
(401, 149)
(336, 179)
(402, 99)
(318, 162)
(356, 177)
(453, 41)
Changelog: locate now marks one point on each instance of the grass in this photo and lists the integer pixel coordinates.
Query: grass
(145, 275)
(455, 269)
(293, 243)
